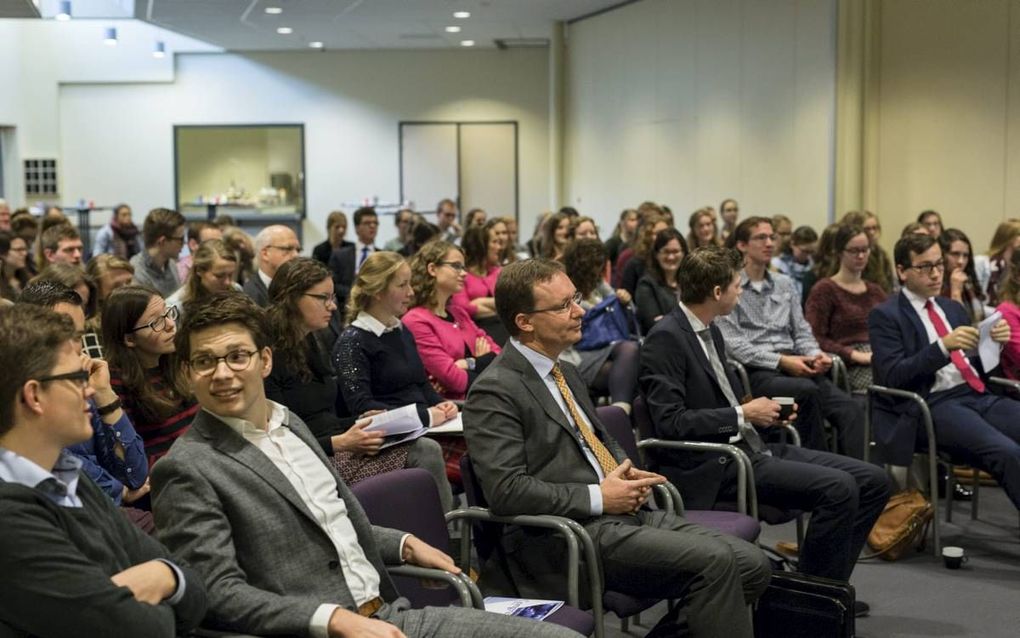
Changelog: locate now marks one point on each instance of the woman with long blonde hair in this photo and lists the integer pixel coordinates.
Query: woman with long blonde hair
(213, 269)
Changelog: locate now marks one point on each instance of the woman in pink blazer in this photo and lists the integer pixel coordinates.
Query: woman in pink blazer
(452, 347)
(483, 249)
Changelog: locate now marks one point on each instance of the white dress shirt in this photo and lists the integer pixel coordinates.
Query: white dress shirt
(358, 248)
(947, 377)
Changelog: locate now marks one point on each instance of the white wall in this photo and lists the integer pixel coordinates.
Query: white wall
(688, 102)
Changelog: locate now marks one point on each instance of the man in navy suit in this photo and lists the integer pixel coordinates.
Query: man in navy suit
(918, 341)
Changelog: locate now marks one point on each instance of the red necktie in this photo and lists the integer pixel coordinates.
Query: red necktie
(961, 363)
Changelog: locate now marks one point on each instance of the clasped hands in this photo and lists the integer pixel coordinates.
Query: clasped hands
(797, 365)
(625, 489)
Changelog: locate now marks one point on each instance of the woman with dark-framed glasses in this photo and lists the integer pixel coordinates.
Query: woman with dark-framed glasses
(138, 339)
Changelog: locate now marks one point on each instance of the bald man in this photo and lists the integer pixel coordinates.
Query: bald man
(274, 246)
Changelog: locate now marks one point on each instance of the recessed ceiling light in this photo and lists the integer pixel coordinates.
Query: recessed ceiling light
(453, 29)
(462, 15)
(316, 45)
(273, 11)
(467, 43)
(110, 37)
(285, 30)
(65, 11)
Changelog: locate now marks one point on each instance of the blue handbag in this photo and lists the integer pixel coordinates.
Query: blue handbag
(603, 325)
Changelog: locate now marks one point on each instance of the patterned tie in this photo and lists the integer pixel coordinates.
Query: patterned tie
(602, 455)
(747, 431)
(961, 363)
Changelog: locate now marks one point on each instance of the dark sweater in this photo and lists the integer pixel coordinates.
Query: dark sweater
(158, 431)
(839, 318)
(56, 563)
(653, 299)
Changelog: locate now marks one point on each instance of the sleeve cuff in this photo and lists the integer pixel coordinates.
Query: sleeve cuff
(318, 626)
(595, 494)
(403, 539)
(942, 347)
(740, 416)
(181, 584)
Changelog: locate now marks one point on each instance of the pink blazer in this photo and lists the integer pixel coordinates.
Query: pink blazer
(475, 287)
(441, 343)
(1011, 349)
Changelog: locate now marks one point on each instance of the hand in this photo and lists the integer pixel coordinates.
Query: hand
(821, 363)
(418, 552)
(962, 338)
(1001, 332)
(347, 624)
(762, 411)
(957, 280)
(460, 363)
(482, 346)
(621, 495)
(99, 379)
(860, 358)
(623, 295)
(443, 412)
(796, 365)
(151, 582)
(130, 496)
(358, 440)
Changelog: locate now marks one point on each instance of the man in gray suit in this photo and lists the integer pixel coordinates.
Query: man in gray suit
(282, 544)
(539, 448)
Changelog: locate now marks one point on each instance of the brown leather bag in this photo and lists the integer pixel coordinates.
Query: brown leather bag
(901, 526)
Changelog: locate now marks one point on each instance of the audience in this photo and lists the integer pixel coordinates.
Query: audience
(630, 265)
(838, 306)
(109, 273)
(658, 291)
(346, 262)
(534, 244)
(513, 250)
(214, 269)
(74, 278)
(555, 236)
(583, 227)
(198, 233)
(138, 338)
(932, 222)
(72, 564)
(880, 268)
(474, 217)
(14, 274)
(623, 235)
(422, 232)
(243, 246)
(61, 244)
(26, 226)
(796, 258)
(784, 229)
(156, 266)
(483, 249)
(119, 237)
(404, 221)
(991, 268)
(274, 246)
(729, 210)
(703, 229)
(446, 220)
(960, 279)
(336, 231)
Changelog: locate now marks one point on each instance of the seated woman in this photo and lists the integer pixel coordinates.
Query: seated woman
(483, 250)
(657, 292)
(960, 281)
(14, 274)
(611, 369)
(110, 272)
(704, 231)
(453, 349)
(555, 236)
(838, 306)
(991, 268)
(1009, 306)
(630, 265)
(213, 269)
(120, 236)
(623, 234)
(880, 268)
(138, 337)
(301, 302)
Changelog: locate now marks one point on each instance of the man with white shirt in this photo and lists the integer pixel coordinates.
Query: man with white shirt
(919, 342)
(274, 245)
(282, 543)
(345, 262)
(692, 396)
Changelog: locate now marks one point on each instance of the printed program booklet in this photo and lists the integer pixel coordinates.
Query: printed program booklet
(522, 607)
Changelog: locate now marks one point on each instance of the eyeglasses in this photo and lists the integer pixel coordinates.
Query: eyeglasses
(858, 252)
(159, 323)
(564, 307)
(287, 249)
(19, 250)
(79, 377)
(325, 299)
(927, 268)
(456, 265)
(236, 360)
(764, 237)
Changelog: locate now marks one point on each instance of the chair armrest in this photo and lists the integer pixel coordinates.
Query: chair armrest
(741, 371)
(745, 473)
(459, 582)
(1008, 383)
(839, 374)
(792, 433)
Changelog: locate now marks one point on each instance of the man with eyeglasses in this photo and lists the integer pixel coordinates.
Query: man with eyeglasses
(345, 262)
(283, 544)
(919, 343)
(274, 245)
(768, 334)
(72, 564)
(538, 447)
(156, 266)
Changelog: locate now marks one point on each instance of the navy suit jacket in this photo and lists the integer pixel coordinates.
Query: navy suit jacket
(903, 358)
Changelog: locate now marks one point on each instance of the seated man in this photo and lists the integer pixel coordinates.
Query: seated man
(767, 333)
(282, 543)
(918, 340)
(539, 448)
(691, 398)
(72, 564)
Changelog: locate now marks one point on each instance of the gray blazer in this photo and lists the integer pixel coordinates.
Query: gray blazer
(528, 460)
(223, 507)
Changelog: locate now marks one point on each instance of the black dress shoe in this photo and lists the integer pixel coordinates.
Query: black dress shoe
(861, 609)
(960, 491)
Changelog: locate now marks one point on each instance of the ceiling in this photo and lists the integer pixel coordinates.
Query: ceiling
(244, 25)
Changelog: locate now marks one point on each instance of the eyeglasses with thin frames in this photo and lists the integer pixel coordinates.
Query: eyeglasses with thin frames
(764, 237)
(564, 307)
(287, 249)
(236, 360)
(159, 323)
(325, 299)
(455, 265)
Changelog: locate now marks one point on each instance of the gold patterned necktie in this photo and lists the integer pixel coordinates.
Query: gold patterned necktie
(602, 455)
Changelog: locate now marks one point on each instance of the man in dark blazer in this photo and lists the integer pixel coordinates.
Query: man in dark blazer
(539, 448)
(691, 397)
(274, 245)
(918, 341)
(282, 543)
(345, 262)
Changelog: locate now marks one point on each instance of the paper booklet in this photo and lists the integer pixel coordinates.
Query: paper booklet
(988, 349)
(522, 607)
(453, 426)
(398, 425)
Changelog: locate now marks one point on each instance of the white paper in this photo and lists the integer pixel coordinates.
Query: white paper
(522, 607)
(397, 421)
(453, 426)
(989, 350)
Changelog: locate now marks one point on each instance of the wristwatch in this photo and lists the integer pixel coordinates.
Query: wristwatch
(470, 363)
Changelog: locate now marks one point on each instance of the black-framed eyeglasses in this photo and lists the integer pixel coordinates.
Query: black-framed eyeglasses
(927, 268)
(179, 238)
(764, 237)
(563, 307)
(159, 323)
(287, 249)
(456, 265)
(79, 377)
(236, 360)
(325, 299)
(858, 252)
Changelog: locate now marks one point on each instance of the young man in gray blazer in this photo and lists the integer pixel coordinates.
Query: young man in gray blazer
(539, 448)
(282, 543)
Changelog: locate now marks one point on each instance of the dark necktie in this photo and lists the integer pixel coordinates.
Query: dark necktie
(747, 431)
(364, 256)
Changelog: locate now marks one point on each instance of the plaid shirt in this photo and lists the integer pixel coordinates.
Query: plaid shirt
(767, 324)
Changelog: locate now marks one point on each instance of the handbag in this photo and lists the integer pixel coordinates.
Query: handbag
(901, 526)
(604, 324)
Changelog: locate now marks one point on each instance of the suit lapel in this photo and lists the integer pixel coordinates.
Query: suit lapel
(907, 310)
(536, 386)
(694, 345)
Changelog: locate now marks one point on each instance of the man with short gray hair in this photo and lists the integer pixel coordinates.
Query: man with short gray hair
(274, 246)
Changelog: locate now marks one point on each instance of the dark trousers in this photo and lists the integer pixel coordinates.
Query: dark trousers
(981, 430)
(843, 495)
(817, 399)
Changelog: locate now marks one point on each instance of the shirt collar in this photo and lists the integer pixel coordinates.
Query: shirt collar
(745, 281)
(367, 322)
(266, 279)
(60, 485)
(542, 364)
(360, 246)
(917, 301)
(277, 418)
(696, 324)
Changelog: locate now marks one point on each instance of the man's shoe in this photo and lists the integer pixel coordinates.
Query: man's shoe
(861, 609)
(788, 548)
(960, 491)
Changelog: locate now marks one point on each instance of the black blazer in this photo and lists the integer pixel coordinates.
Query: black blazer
(322, 251)
(652, 299)
(257, 290)
(341, 262)
(686, 403)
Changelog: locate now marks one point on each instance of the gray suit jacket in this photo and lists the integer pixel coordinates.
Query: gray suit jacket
(257, 290)
(223, 507)
(528, 460)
